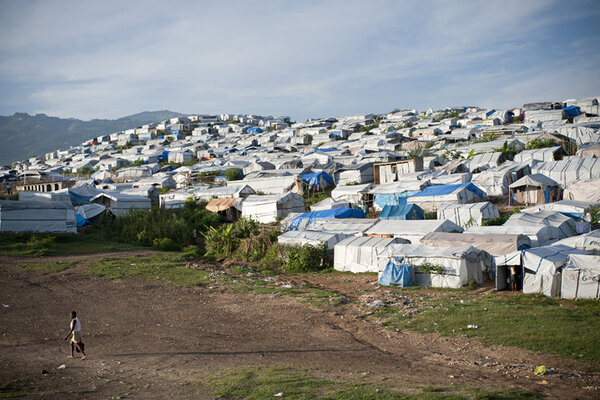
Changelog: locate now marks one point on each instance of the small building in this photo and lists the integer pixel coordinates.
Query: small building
(393, 171)
(37, 216)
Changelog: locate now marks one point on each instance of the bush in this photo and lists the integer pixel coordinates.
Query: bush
(166, 244)
(191, 252)
(233, 174)
(305, 258)
(221, 241)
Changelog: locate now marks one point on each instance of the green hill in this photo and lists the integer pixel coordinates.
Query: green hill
(23, 135)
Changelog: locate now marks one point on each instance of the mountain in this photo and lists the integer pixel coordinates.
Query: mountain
(23, 135)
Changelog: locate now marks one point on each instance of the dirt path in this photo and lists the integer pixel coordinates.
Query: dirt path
(148, 340)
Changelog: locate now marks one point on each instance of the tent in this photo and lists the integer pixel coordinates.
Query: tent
(433, 196)
(569, 169)
(37, 216)
(412, 230)
(495, 181)
(88, 213)
(302, 220)
(583, 191)
(228, 209)
(328, 204)
(589, 242)
(494, 244)
(542, 268)
(268, 208)
(571, 208)
(581, 277)
(406, 211)
(534, 189)
(545, 154)
(354, 194)
(395, 193)
(360, 254)
(468, 214)
(317, 180)
(565, 225)
(347, 225)
(540, 235)
(311, 237)
(449, 267)
(121, 204)
(60, 196)
(397, 272)
(354, 174)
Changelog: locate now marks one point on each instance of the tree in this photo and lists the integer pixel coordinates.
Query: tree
(233, 174)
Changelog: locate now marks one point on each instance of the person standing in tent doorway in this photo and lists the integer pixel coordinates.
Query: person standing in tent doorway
(76, 338)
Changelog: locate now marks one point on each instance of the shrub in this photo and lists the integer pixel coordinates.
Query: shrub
(166, 244)
(233, 174)
(305, 258)
(191, 252)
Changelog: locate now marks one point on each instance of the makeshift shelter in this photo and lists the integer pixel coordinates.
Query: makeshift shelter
(60, 196)
(353, 194)
(542, 268)
(301, 238)
(360, 254)
(226, 208)
(583, 191)
(302, 220)
(571, 208)
(173, 200)
(565, 225)
(494, 244)
(395, 193)
(569, 170)
(581, 277)
(466, 215)
(83, 194)
(449, 267)
(534, 189)
(328, 204)
(406, 211)
(88, 214)
(545, 154)
(37, 216)
(354, 174)
(268, 208)
(432, 197)
(411, 230)
(540, 235)
(351, 226)
(588, 241)
(495, 181)
(224, 192)
(317, 180)
(122, 204)
(590, 151)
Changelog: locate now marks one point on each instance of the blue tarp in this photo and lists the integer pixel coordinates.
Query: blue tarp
(254, 129)
(397, 273)
(341, 212)
(573, 111)
(441, 190)
(314, 179)
(406, 212)
(393, 199)
(80, 220)
(325, 150)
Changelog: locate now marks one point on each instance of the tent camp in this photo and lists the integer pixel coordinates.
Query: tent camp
(581, 277)
(360, 254)
(542, 268)
(88, 213)
(406, 211)
(412, 230)
(565, 225)
(583, 191)
(449, 267)
(494, 244)
(266, 209)
(534, 189)
(468, 214)
(540, 235)
(301, 221)
(37, 216)
(121, 204)
(432, 197)
(301, 238)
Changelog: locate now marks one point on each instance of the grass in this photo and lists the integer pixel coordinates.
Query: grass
(9, 391)
(48, 267)
(568, 328)
(264, 383)
(167, 268)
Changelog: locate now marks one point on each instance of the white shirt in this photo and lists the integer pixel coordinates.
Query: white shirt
(75, 324)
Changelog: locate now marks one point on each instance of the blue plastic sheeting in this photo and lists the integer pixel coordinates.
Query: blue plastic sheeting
(80, 220)
(165, 154)
(254, 129)
(397, 273)
(383, 200)
(573, 111)
(325, 150)
(341, 212)
(314, 179)
(441, 190)
(406, 212)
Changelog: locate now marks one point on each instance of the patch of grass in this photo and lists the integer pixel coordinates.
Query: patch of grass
(264, 383)
(163, 267)
(9, 391)
(48, 267)
(567, 328)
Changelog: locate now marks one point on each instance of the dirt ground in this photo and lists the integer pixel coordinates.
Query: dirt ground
(151, 341)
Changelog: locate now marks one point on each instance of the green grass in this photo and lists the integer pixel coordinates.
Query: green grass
(48, 267)
(167, 268)
(265, 383)
(9, 391)
(568, 328)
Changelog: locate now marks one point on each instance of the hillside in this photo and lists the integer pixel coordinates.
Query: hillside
(23, 135)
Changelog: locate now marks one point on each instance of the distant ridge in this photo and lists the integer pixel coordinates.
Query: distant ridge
(23, 135)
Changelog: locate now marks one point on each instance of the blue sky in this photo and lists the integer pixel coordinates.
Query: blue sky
(105, 59)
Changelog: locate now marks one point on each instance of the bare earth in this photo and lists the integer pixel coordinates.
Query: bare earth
(151, 341)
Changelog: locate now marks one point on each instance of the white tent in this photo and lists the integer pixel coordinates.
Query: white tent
(224, 192)
(328, 204)
(573, 208)
(311, 237)
(353, 226)
(540, 235)
(354, 194)
(565, 225)
(266, 209)
(433, 196)
(359, 254)
(120, 203)
(412, 230)
(466, 215)
(494, 244)
(545, 154)
(534, 189)
(60, 196)
(37, 216)
(569, 169)
(583, 191)
(581, 277)
(459, 264)
(589, 242)
(542, 268)
(495, 181)
(268, 184)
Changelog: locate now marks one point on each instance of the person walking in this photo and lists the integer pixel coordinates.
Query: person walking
(75, 326)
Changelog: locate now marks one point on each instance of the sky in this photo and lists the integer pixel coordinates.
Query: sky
(305, 59)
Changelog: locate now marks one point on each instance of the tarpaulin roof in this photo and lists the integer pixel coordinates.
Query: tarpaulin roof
(441, 190)
(314, 178)
(495, 244)
(534, 180)
(216, 205)
(341, 212)
(405, 211)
